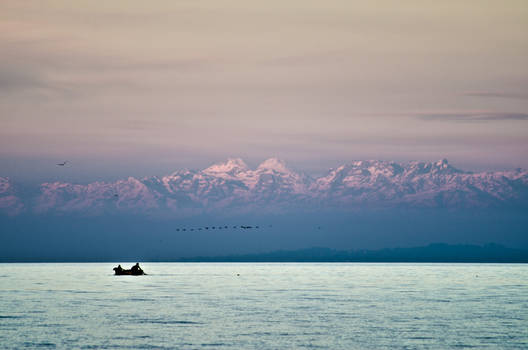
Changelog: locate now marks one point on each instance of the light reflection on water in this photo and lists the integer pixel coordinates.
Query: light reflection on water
(268, 306)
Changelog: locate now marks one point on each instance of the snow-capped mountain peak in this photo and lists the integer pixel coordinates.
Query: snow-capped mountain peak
(443, 163)
(231, 166)
(5, 184)
(273, 164)
(10, 203)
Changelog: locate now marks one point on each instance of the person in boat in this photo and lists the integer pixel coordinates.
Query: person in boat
(118, 270)
(136, 270)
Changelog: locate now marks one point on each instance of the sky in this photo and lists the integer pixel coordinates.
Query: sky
(142, 88)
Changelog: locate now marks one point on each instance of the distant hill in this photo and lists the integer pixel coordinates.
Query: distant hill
(438, 252)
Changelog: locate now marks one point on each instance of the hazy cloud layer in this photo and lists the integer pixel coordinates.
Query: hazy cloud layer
(496, 94)
(475, 116)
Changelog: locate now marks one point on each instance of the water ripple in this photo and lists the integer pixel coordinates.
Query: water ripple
(327, 306)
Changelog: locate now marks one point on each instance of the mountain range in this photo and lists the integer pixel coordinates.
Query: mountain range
(232, 186)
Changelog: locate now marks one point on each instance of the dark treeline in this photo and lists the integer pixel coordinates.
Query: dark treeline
(432, 253)
(438, 252)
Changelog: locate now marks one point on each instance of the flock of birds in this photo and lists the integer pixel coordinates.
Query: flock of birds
(225, 227)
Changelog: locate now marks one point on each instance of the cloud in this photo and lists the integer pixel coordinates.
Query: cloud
(496, 94)
(474, 116)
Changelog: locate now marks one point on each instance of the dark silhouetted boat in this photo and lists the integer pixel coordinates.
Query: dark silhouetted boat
(134, 271)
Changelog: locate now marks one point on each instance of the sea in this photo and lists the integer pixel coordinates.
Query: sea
(264, 306)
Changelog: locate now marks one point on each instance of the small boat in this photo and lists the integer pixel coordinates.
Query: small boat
(134, 271)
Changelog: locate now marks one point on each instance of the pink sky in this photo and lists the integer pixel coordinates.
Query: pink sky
(159, 85)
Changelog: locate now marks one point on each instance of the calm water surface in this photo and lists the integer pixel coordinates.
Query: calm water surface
(266, 306)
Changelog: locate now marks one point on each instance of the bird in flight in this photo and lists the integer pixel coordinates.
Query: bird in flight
(63, 163)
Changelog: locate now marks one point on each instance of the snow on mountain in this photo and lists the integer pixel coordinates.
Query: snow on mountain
(276, 180)
(130, 194)
(435, 184)
(10, 203)
(232, 167)
(234, 180)
(273, 165)
(233, 186)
